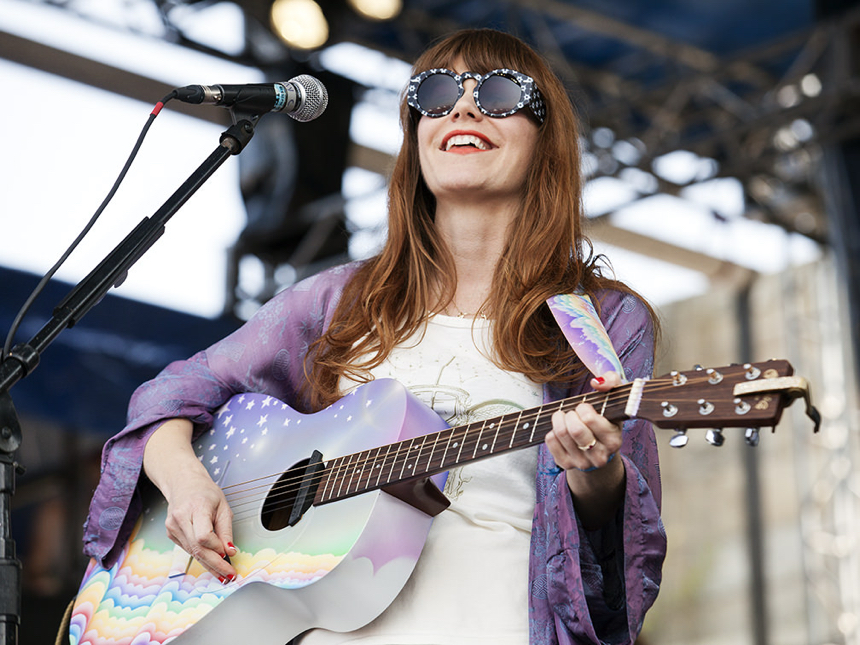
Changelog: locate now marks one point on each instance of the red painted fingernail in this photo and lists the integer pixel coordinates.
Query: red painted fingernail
(222, 580)
(231, 545)
(600, 379)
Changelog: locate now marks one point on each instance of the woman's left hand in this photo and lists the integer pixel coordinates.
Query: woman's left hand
(584, 443)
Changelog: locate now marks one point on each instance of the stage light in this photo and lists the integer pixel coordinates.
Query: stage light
(377, 9)
(299, 23)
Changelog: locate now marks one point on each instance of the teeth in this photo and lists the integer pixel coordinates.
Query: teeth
(465, 140)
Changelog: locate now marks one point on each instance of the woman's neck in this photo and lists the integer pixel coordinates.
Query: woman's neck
(476, 236)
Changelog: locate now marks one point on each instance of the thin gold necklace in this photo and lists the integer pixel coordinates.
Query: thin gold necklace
(463, 314)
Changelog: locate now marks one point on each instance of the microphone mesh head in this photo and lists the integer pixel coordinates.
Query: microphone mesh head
(315, 99)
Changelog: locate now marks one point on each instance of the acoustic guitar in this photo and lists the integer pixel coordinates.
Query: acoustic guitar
(331, 510)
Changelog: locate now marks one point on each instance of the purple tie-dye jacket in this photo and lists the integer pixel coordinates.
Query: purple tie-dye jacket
(585, 587)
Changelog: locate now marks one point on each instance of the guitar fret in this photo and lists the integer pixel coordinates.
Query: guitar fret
(432, 452)
(394, 456)
(605, 401)
(352, 472)
(338, 481)
(362, 471)
(514, 435)
(496, 436)
(369, 470)
(411, 460)
(326, 479)
(462, 442)
(534, 425)
(382, 465)
(332, 478)
(346, 465)
(417, 463)
(521, 425)
(447, 445)
(406, 458)
(418, 460)
(478, 440)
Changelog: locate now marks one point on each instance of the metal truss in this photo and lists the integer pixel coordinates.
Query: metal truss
(762, 116)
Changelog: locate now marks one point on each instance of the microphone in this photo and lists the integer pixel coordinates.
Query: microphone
(304, 98)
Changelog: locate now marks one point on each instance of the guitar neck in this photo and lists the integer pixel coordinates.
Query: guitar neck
(436, 452)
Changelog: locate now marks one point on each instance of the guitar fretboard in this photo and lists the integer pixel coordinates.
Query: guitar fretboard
(436, 452)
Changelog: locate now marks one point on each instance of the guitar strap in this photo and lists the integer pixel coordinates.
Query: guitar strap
(580, 324)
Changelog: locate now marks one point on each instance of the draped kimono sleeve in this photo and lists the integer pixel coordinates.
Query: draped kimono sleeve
(265, 355)
(595, 587)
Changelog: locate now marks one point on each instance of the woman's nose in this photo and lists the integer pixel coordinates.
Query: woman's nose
(465, 105)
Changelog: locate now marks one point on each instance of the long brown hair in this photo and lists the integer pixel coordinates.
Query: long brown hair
(392, 294)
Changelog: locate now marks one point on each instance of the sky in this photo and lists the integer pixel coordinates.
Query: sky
(65, 153)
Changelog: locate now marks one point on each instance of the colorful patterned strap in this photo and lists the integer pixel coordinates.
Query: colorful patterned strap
(578, 319)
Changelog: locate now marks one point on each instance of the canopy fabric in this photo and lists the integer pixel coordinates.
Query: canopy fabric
(86, 376)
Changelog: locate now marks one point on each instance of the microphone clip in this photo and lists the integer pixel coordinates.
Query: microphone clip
(237, 136)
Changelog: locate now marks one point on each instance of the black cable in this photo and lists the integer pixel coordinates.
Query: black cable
(7, 347)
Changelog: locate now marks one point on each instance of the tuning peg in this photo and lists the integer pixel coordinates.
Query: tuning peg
(669, 410)
(714, 376)
(741, 406)
(680, 439)
(751, 436)
(677, 378)
(752, 372)
(715, 437)
(705, 407)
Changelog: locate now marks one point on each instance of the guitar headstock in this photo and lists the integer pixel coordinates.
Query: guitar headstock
(747, 396)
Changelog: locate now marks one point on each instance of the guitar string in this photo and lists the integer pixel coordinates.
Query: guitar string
(352, 472)
(393, 458)
(464, 429)
(467, 429)
(354, 466)
(507, 427)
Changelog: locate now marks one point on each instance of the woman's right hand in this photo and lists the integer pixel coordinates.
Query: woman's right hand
(198, 517)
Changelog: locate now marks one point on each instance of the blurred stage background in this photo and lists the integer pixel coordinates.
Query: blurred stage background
(722, 149)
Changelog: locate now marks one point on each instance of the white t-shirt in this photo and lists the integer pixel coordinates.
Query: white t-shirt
(471, 583)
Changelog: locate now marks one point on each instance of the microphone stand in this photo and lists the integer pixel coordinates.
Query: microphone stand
(24, 358)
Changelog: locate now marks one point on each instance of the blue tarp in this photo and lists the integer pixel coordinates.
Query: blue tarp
(86, 376)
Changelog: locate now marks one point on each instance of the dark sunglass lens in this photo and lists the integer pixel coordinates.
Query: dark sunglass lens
(437, 94)
(499, 94)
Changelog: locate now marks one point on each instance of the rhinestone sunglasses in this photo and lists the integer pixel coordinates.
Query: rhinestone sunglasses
(498, 94)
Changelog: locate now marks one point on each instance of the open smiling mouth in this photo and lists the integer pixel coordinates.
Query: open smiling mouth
(466, 140)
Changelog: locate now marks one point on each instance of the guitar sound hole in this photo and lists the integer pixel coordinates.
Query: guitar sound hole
(282, 498)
